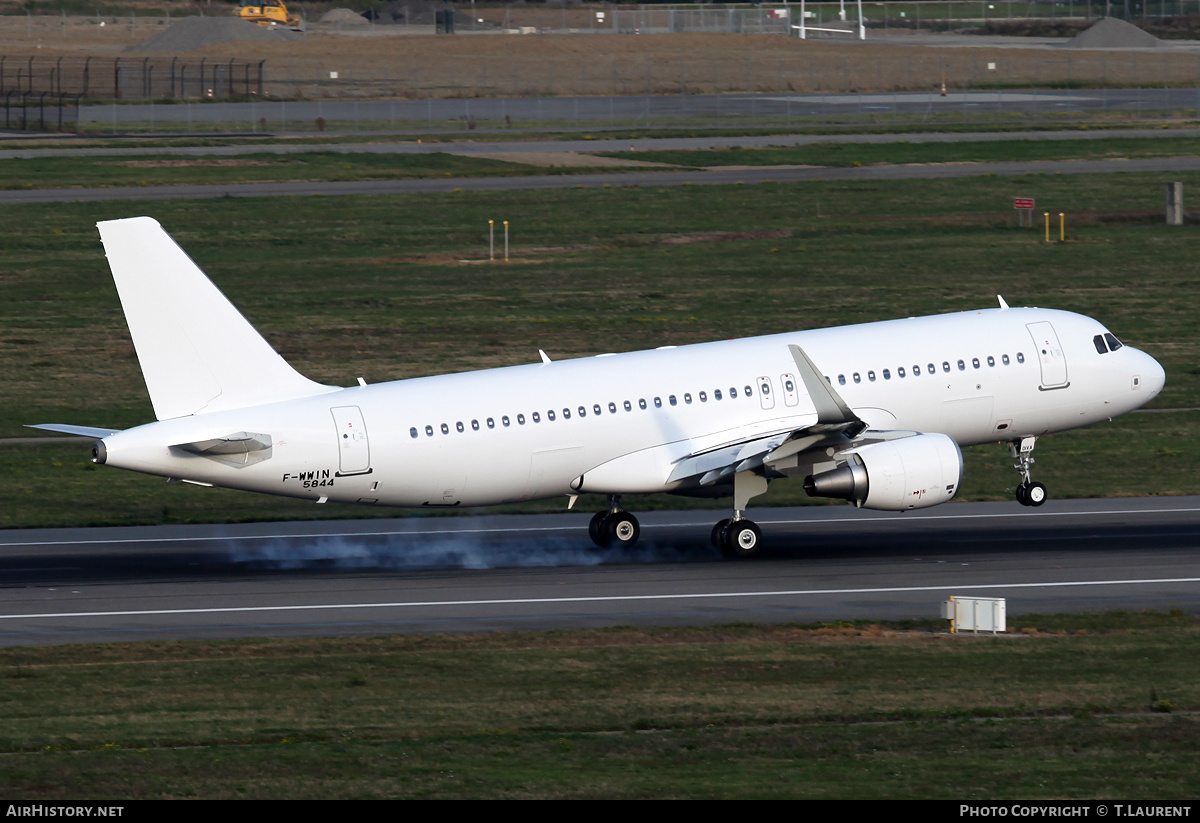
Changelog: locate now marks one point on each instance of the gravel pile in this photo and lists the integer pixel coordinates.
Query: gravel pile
(197, 32)
(344, 17)
(1111, 33)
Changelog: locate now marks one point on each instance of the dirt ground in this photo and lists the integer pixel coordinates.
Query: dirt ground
(389, 63)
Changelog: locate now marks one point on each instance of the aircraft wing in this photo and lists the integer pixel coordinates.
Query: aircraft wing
(836, 424)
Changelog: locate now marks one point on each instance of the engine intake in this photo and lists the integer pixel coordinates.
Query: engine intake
(895, 475)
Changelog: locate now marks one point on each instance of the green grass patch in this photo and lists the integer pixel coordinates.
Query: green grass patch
(902, 152)
(1056, 709)
(163, 169)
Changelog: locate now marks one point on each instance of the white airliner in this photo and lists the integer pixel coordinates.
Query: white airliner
(875, 414)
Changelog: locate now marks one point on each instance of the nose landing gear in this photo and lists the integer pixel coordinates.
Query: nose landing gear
(1028, 492)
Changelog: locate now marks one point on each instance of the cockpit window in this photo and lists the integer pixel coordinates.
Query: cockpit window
(1101, 348)
(1113, 342)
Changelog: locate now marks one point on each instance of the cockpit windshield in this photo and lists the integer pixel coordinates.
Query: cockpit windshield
(1106, 342)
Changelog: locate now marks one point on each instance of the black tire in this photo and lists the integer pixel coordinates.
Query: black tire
(743, 538)
(718, 534)
(623, 530)
(598, 529)
(1022, 494)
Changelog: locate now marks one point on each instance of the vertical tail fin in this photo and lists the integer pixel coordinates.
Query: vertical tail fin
(197, 352)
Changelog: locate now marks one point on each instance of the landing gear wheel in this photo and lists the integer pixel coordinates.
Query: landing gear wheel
(598, 529)
(622, 529)
(718, 534)
(1031, 494)
(741, 538)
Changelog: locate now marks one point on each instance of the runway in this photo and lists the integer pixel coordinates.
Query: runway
(537, 572)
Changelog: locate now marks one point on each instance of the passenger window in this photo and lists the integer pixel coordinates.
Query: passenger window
(658, 402)
(1020, 357)
(459, 426)
(916, 370)
(857, 377)
(871, 376)
(991, 360)
(687, 398)
(641, 403)
(703, 397)
(520, 420)
(566, 414)
(474, 425)
(429, 431)
(672, 400)
(749, 393)
(413, 432)
(445, 429)
(628, 406)
(900, 372)
(717, 393)
(1004, 359)
(841, 380)
(929, 368)
(962, 366)
(583, 411)
(975, 362)
(887, 374)
(504, 420)
(1113, 342)
(612, 408)
(491, 423)
(549, 415)
(946, 366)
(596, 408)
(536, 418)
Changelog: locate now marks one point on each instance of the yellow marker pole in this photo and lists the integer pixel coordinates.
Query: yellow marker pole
(491, 240)
(1047, 216)
(1062, 228)
(505, 241)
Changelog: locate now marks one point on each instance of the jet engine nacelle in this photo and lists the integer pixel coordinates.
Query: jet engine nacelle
(911, 473)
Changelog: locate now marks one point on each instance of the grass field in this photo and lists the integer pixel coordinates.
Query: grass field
(1099, 707)
(364, 287)
(165, 169)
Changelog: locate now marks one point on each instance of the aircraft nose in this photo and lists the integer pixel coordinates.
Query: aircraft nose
(1152, 376)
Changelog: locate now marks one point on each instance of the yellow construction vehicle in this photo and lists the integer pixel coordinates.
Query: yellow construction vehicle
(270, 14)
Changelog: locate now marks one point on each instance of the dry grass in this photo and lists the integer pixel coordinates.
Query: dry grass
(465, 65)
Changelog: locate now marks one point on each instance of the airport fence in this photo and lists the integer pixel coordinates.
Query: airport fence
(123, 78)
(40, 111)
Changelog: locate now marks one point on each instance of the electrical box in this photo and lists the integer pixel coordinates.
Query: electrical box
(975, 614)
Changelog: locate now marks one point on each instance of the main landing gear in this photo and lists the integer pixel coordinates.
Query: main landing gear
(614, 527)
(737, 536)
(734, 536)
(1029, 493)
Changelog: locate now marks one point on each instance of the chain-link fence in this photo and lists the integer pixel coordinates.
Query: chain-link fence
(144, 78)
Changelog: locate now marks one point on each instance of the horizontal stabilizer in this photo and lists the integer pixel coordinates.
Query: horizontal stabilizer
(82, 431)
(197, 352)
